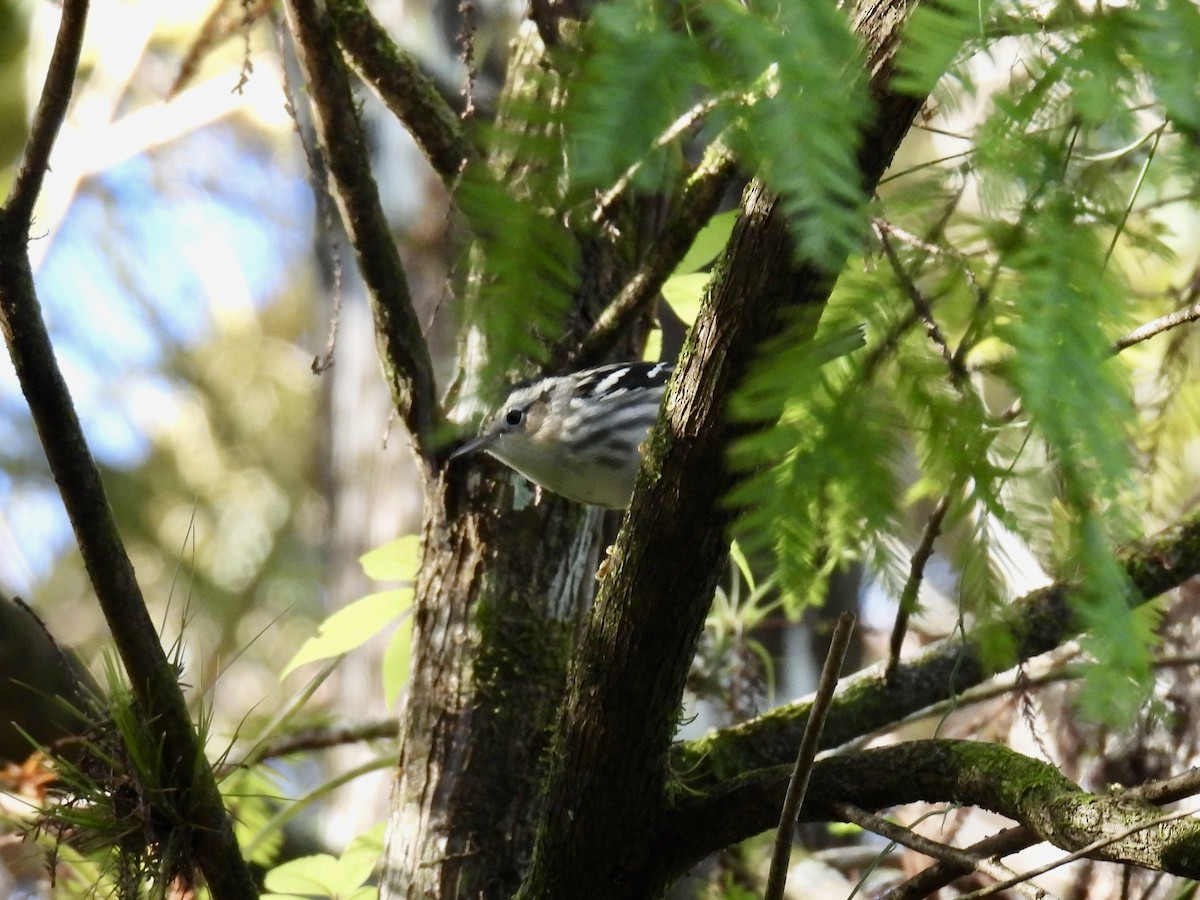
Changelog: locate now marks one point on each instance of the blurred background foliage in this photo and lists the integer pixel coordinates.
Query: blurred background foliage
(189, 281)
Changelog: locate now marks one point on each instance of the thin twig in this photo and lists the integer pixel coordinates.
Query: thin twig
(798, 784)
(696, 206)
(958, 372)
(609, 199)
(945, 871)
(1157, 326)
(912, 587)
(323, 738)
(1014, 840)
(1081, 853)
(963, 859)
(327, 239)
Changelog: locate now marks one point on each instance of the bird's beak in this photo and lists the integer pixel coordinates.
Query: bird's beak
(480, 443)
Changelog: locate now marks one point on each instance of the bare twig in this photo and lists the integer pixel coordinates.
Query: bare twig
(403, 351)
(958, 372)
(323, 738)
(962, 859)
(798, 783)
(1081, 853)
(610, 198)
(1013, 840)
(912, 587)
(186, 775)
(1157, 326)
(327, 234)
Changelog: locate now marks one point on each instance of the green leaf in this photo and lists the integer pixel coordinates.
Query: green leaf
(821, 470)
(528, 264)
(708, 243)
(683, 294)
(635, 80)
(396, 560)
(322, 875)
(361, 857)
(796, 106)
(351, 626)
(306, 875)
(934, 37)
(739, 558)
(1169, 36)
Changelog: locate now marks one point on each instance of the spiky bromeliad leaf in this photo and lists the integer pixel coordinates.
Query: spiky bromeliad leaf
(1070, 388)
(801, 102)
(635, 81)
(528, 268)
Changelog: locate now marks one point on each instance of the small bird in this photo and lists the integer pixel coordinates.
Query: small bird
(578, 435)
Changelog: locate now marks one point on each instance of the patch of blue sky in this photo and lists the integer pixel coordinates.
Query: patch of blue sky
(128, 273)
(126, 282)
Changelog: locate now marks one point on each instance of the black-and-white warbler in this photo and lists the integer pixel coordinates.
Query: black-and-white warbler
(578, 435)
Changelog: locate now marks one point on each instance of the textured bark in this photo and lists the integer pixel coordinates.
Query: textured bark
(506, 580)
(609, 778)
(499, 600)
(973, 773)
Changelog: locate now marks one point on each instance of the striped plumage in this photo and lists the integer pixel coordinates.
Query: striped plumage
(578, 435)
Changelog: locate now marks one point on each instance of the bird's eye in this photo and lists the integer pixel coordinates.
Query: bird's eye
(514, 416)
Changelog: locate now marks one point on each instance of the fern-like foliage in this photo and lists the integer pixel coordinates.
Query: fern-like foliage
(936, 36)
(526, 263)
(780, 83)
(799, 70)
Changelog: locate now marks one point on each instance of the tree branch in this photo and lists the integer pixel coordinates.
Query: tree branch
(186, 776)
(1013, 840)
(402, 347)
(798, 782)
(1038, 622)
(989, 776)
(966, 860)
(403, 87)
(49, 116)
(629, 671)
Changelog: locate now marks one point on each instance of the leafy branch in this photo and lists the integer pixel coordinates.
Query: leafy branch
(1038, 622)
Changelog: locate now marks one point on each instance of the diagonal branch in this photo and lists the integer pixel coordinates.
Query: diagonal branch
(1038, 622)
(402, 348)
(699, 201)
(1013, 840)
(404, 88)
(967, 861)
(187, 777)
(49, 116)
(1032, 792)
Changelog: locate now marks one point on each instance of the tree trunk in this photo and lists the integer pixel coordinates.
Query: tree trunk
(499, 602)
(503, 591)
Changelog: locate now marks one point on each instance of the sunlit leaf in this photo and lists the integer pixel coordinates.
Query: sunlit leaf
(396, 560)
(352, 626)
